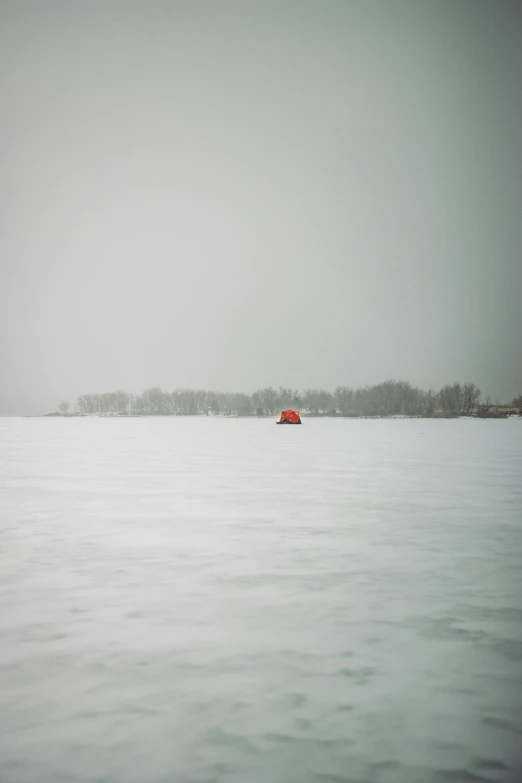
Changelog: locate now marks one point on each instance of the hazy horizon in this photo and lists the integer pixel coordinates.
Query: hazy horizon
(232, 195)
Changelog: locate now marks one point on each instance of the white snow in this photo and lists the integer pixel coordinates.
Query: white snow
(205, 599)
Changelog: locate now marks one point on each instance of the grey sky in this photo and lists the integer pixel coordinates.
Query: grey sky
(236, 194)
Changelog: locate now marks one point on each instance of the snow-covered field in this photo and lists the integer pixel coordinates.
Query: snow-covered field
(206, 600)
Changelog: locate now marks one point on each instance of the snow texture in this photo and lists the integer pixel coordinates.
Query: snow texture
(200, 599)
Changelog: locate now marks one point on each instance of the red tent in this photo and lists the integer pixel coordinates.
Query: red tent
(289, 417)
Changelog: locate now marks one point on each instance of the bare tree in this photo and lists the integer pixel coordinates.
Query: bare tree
(267, 400)
(428, 403)
(344, 400)
(288, 398)
(64, 407)
(241, 404)
(451, 399)
(311, 400)
(470, 398)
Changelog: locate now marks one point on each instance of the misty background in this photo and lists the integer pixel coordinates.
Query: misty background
(231, 195)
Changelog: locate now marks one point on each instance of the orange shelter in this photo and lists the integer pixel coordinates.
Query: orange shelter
(289, 417)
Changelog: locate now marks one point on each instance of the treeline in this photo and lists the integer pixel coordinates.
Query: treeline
(383, 399)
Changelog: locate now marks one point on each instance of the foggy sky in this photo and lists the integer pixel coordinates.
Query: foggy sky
(235, 194)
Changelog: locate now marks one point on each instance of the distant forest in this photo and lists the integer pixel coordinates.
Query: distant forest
(383, 399)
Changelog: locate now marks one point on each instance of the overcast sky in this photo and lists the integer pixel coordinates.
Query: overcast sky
(235, 194)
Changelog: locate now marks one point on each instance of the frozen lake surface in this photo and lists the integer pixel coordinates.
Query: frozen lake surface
(193, 600)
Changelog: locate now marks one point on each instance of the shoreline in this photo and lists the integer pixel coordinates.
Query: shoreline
(499, 415)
